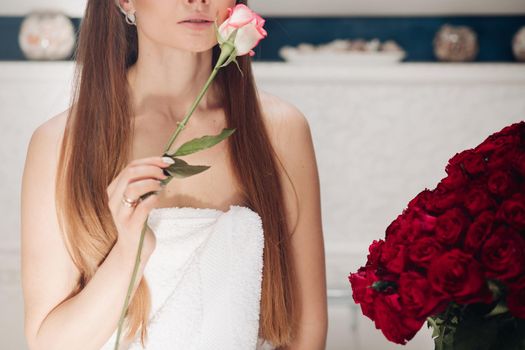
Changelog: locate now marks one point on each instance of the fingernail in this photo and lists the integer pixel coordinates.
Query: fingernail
(168, 160)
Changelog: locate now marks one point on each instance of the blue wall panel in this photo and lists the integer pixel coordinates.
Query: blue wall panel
(414, 34)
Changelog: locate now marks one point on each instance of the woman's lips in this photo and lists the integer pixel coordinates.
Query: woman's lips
(197, 25)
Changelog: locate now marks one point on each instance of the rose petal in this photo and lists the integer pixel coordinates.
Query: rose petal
(240, 16)
(247, 38)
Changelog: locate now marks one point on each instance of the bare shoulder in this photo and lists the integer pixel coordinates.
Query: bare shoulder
(291, 138)
(283, 119)
(52, 129)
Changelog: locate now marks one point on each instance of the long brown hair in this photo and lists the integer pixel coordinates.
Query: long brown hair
(96, 147)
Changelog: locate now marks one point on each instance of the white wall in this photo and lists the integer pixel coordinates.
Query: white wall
(381, 135)
(315, 7)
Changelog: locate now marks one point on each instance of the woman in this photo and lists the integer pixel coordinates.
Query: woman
(139, 69)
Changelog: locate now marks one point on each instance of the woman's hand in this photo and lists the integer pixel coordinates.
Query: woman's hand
(139, 177)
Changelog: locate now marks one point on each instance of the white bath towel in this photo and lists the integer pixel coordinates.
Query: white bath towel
(205, 278)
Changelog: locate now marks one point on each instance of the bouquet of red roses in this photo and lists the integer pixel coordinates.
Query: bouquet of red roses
(455, 257)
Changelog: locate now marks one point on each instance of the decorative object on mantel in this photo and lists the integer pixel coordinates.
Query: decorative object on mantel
(456, 43)
(518, 45)
(344, 51)
(47, 36)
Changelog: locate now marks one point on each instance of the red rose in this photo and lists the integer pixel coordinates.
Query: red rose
(472, 161)
(456, 177)
(503, 254)
(362, 293)
(478, 200)
(516, 128)
(479, 231)
(508, 136)
(444, 199)
(410, 225)
(512, 211)
(393, 256)
(418, 298)
(502, 183)
(398, 230)
(519, 162)
(424, 250)
(497, 142)
(459, 277)
(392, 321)
(501, 157)
(421, 200)
(374, 253)
(421, 222)
(516, 298)
(451, 226)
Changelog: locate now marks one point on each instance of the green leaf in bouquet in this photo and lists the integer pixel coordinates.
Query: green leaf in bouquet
(382, 286)
(497, 289)
(500, 308)
(432, 323)
(180, 169)
(444, 326)
(201, 143)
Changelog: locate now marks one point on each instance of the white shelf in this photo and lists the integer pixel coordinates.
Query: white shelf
(427, 73)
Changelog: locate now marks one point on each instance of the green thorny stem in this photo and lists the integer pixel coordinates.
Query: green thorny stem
(228, 54)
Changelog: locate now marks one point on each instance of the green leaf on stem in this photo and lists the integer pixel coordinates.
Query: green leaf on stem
(180, 169)
(201, 143)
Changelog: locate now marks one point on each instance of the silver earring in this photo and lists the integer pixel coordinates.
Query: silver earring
(131, 19)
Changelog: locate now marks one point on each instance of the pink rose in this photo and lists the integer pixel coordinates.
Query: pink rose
(250, 29)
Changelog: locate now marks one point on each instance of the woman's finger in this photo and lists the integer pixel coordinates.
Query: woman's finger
(149, 160)
(136, 173)
(133, 192)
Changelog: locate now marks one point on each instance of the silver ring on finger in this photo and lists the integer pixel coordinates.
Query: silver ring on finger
(130, 203)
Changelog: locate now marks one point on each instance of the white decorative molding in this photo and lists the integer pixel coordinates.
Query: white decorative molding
(427, 73)
(412, 73)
